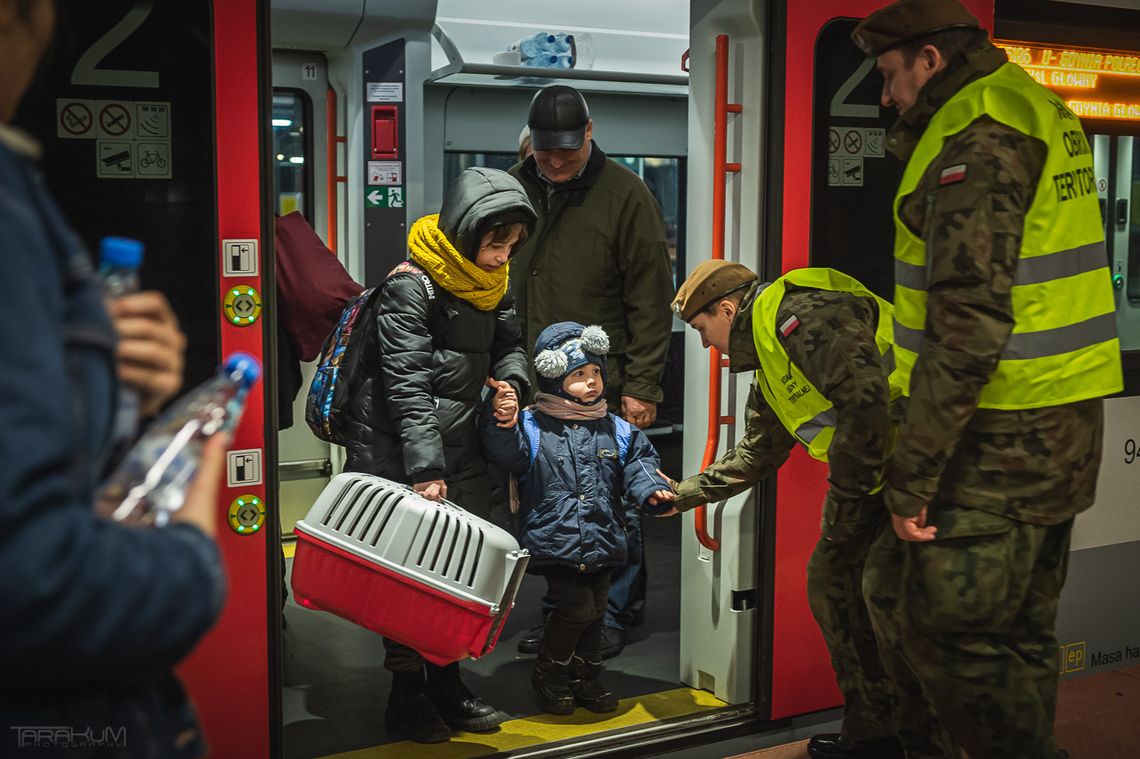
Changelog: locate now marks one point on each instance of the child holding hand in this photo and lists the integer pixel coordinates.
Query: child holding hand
(575, 463)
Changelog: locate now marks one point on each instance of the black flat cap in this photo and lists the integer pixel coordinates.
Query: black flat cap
(558, 118)
(907, 20)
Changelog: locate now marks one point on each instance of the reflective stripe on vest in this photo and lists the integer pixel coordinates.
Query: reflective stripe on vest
(801, 408)
(1063, 347)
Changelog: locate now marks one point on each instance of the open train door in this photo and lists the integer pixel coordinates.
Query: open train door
(152, 119)
(787, 155)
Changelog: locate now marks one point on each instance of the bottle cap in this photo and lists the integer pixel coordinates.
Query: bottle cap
(121, 251)
(244, 363)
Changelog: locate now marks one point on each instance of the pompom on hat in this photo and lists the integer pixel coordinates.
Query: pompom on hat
(563, 347)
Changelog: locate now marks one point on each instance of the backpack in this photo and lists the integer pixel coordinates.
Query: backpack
(339, 360)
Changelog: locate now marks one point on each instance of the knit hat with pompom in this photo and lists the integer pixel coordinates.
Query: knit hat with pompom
(563, 347)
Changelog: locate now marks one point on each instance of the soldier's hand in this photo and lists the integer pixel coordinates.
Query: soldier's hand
(637, 412)
(662, 496)
(672, 482)
(913, 529)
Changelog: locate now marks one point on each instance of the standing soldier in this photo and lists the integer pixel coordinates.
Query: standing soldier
(819, 343)
(1005, 336)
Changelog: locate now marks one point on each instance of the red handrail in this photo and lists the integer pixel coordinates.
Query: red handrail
(333, 139)
(721, 169)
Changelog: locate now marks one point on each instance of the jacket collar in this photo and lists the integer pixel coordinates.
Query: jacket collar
(19, 142)
(589, 175)
(960, 71)
(742, 356)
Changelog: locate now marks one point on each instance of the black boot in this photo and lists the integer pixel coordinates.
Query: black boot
(460, 708)
(411, 713)
(531, 640)
(588, 691)
(551, 680)
(838, 746)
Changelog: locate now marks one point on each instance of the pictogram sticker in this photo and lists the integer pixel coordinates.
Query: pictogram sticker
(75, 119)
(115, 120)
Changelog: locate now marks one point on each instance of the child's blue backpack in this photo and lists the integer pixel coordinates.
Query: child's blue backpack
(623, 431)
(332, 385)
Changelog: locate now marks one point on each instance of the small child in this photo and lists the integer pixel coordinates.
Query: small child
(575, 463)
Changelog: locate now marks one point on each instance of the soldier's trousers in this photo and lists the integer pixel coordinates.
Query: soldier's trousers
(835, 594)
(974, 612)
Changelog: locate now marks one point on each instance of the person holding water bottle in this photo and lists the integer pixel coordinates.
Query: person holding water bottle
(95, 613)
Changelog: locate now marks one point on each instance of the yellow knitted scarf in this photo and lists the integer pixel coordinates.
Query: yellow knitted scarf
(454, 272)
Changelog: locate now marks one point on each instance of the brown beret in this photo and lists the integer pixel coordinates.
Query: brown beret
(908, 20)
(709, 281)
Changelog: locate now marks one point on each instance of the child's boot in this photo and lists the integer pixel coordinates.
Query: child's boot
(588, 690)
(459, 707)
(551, 681)
(411, 713)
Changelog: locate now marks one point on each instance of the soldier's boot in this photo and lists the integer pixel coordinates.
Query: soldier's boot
(411, 713)
(588, 690)
(837, 746)
(551, 681)
(459, 707)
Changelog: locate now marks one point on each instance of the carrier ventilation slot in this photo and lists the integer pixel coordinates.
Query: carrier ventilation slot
(395, 497)
(475, 563)
(361, 510)
(463, 556)
(451, 550)
(444, 528)
(361, 493)
(343, 506)
(427, 538)
(378, 506)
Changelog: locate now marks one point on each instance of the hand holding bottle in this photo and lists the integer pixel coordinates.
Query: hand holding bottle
(152, 347)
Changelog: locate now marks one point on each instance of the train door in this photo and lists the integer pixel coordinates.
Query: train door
(808, 183)
(151, 115)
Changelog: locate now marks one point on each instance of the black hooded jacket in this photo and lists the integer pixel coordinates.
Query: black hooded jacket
(414, 414)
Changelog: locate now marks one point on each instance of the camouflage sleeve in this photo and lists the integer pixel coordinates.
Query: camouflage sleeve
(763, 449)
(834, 347)
(972, 227)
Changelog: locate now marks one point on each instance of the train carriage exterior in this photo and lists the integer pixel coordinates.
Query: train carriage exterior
(757, 125)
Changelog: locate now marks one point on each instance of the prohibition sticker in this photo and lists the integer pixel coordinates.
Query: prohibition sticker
(75, 119)
(115, 120)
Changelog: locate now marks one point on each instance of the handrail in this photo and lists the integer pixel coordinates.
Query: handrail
(333, 140)
(721, 170)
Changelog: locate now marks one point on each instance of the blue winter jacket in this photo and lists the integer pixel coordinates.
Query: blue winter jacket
(570, 499)
(93, 615)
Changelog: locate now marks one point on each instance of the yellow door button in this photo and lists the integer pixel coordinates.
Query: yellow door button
(246, 514)
(242, 305)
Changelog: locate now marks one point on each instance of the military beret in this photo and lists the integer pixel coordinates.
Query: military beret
(709, 281)
(908, 20)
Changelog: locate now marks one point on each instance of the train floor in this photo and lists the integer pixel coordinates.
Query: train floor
(335, 687)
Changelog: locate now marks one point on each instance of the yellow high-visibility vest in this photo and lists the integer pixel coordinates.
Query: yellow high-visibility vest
(1064, 346)
(801, 408)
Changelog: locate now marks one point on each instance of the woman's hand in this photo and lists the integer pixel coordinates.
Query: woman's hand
(433, 490)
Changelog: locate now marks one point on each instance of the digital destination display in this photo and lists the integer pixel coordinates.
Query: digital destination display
(1095, 84)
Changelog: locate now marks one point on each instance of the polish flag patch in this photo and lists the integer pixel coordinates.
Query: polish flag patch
(789, 325)
(952, 175)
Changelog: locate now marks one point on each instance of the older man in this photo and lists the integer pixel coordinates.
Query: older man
(597, 256)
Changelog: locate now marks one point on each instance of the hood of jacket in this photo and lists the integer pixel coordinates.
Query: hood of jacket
(477, 195)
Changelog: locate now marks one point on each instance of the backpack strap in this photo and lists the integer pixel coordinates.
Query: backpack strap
(530, 428)
(624, 433)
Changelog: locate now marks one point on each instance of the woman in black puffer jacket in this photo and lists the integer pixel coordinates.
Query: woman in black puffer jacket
(444, 324)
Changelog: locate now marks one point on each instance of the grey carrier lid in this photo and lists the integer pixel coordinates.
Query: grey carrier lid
(434, 543)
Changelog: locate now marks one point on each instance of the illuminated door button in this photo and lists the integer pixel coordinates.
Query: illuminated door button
(246, 514)
(242, 305)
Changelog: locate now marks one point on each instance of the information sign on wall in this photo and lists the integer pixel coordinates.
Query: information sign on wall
(1095, 84)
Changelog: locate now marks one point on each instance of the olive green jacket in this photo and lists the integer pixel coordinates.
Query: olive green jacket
(1036, 465)
(598, 256)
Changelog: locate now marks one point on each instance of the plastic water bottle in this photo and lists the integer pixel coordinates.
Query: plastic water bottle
(119, 262)
(151, 482)
(544, 44)
(551, 61)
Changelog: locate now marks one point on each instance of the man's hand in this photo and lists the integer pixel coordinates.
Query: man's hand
(505, 402)
(151, 352)
(638, 412)
(913, 529)
(433, 490)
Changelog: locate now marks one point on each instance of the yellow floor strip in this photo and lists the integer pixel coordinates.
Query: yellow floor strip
(546, 728)
(288, 549)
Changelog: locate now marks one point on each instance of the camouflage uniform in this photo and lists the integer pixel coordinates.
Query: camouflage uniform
(974, 610)
(835, 348)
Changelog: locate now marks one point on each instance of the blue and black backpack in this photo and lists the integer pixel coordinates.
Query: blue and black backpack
(332, 385)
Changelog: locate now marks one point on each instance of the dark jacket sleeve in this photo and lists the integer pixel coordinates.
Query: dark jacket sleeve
(647, 289)
(508, 354)
(641, 465)
(835, 348)
(403, 321)
(763, 449)
(505, 447)
(83, 599)
(973, 235)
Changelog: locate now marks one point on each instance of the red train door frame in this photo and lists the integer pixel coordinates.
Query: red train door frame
(801, 677)
(234, 674)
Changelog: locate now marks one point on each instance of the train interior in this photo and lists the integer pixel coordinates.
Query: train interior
(758, 129)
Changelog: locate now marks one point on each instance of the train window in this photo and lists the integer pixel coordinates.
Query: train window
(665, 178)
(292, 152)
